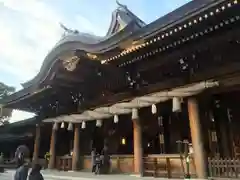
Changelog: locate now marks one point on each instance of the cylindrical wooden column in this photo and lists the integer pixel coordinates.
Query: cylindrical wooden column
(138, 151)
(197, 140)
(75, 156)
(52, 152)
(37, 143)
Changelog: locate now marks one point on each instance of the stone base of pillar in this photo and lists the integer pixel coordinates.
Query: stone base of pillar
(51, 164)
(136, 175)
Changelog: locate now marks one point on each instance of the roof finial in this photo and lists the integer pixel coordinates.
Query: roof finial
(67, 30)
(120, 5)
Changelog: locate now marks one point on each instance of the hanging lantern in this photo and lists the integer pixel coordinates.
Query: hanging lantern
(62, 125)
(70, 126)
(154, 109)
(83, 125)
(176, 104)
(99, 123)
(55, 126)
(115, 119)
(123, 141)
(134, 113)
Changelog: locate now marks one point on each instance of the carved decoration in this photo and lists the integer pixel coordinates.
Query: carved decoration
(92, 56)
(70, 64)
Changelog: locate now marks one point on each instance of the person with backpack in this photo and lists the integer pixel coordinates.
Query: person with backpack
(35, 174)
(21, 154)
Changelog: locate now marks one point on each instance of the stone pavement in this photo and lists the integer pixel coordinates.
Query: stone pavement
(56, 175)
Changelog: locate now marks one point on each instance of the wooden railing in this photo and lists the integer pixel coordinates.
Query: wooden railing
(224, 167)
(168, 165)
(64, 163)
(119, 163)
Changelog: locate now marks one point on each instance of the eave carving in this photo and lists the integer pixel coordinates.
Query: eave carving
(92, 56)
(70, 64)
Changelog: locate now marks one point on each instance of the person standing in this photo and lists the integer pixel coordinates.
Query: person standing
(21, 154)
(35, 174)
(46, 157)
(93, 158)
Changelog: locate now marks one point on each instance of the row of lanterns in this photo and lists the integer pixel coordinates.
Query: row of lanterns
(176, 107)
(174, 30)
(83, 125)
(181, 40)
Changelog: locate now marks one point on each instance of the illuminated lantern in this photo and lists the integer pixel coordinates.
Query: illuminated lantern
(123, 141)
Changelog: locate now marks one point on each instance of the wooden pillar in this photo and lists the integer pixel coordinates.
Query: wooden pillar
(75, 156)
(37, 143)
(197, 140)
(138, 151)
(52, 152)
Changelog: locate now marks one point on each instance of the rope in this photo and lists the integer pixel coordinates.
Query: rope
(136, 103)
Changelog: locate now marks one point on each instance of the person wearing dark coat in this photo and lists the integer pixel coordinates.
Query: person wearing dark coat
(21, 172)
(35, 174)
(21, 154)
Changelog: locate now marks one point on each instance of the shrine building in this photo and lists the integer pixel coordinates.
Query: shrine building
(141, 90)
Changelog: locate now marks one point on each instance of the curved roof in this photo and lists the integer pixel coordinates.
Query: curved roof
(121, 17)
(178, 18)
(123, 23)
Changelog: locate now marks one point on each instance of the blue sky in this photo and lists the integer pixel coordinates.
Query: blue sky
(30, 28)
